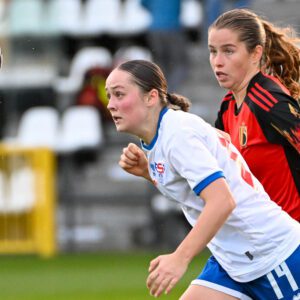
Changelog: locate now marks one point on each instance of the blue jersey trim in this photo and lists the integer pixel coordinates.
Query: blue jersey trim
(204, 183)
(151, 145)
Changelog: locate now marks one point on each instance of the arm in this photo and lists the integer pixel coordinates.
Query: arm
(224, 135)
(166, 270)
(285, 119)
(134, 161)
(279, 117)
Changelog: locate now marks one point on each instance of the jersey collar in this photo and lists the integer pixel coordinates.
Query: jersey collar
(151, 145)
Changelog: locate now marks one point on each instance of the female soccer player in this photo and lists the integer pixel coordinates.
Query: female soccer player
(259, 65)
(255, 245)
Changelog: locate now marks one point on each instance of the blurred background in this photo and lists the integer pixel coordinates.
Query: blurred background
(61, 190)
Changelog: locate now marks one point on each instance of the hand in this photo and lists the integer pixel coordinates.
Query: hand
(165, 271)
(134, 161)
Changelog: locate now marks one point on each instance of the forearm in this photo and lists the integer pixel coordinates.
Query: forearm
(211, 219)
(148, 177)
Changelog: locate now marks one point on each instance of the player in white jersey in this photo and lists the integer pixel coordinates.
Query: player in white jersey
(255, 245)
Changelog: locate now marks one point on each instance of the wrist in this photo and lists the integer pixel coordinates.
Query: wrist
(146, 175)
(185, 255)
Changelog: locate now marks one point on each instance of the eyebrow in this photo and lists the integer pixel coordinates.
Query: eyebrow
(115, 87)
(223, 46)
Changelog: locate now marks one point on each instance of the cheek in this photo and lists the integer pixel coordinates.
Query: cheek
(238, 68)
(126, 107)
(241, 63)
(131, 110)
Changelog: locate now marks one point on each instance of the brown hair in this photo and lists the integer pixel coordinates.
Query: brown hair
(148, 76)
(281, 56)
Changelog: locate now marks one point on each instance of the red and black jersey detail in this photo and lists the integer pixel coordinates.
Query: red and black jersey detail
(266, 130)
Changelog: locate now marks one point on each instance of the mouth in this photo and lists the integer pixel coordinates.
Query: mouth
(221, 76)
(116, 119)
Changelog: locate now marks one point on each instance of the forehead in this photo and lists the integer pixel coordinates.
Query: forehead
(224, 36)
(118, 78)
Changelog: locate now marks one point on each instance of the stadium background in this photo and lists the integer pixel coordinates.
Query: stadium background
(107, 225)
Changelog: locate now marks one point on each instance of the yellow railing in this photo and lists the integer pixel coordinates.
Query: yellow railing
(27, 201)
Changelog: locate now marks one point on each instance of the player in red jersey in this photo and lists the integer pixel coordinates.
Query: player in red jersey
(259, 64)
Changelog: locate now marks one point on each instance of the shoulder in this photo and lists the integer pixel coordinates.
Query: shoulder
(273, 83)
(190, 138)
(181, 125)
(226, 101)
(266, 91)
(227, 98)
(179, 118)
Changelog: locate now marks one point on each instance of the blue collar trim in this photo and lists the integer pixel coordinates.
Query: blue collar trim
(151, 145)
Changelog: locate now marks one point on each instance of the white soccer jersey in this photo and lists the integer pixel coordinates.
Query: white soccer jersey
(185, 156)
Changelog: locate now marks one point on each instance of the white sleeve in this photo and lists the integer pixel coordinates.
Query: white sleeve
(191, 157)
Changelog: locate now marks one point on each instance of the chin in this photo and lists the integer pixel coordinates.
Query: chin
(224, 85)
(120, 128)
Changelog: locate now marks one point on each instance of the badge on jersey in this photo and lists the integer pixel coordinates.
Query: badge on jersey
(243, 136)
(158, 171)
(294, 112)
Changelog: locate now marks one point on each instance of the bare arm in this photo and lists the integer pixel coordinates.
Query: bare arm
(166, 270)
(219, 204)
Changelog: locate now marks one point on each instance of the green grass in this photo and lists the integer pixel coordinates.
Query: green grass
(103, 276)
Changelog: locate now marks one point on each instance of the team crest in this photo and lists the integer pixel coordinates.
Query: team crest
(243, 136)
(160, 168)
(158, 171)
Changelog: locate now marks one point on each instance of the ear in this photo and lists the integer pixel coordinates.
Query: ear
(152, 97)
(257, 54)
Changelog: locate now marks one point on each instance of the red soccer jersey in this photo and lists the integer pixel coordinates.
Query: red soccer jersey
(266, 130)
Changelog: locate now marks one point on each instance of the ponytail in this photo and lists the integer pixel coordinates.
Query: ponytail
(282, 57)
(178, 102)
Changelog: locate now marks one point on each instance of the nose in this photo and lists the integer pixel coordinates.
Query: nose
(218, 60)
(111, 104)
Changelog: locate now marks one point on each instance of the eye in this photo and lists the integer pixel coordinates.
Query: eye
(229, 51)
(118, 94)
(212, 51)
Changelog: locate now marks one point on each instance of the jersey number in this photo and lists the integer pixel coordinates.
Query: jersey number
(282, 270)
(246, 175)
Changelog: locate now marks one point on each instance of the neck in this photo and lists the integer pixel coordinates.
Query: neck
(239, 96)
(148, 131)
(240, 92)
